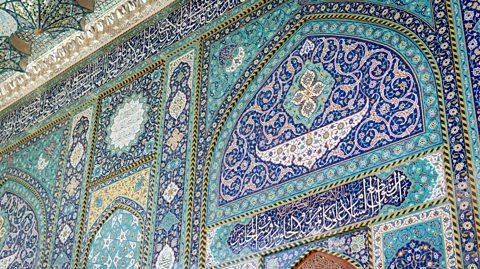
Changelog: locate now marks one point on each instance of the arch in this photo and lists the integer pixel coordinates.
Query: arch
(316, 258)
(21, 206)
(29, 181)
(288, 109)
(115, 213)
(221, 180)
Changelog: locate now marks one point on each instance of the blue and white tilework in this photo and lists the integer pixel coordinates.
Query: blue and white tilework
(247, 134)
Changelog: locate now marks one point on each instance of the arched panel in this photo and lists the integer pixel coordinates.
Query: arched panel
(322, 260)
(117, 242)
(24, 222)
(319, 110)
(127, 195)
(20, 231)
(331, 99)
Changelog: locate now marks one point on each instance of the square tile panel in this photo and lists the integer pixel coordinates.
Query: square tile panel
(399, 243)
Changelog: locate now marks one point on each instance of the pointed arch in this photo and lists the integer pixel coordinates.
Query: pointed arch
(21, 205)
(317, 258)
(105, 220)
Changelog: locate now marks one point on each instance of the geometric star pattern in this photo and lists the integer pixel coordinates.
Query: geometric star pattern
(117, 243)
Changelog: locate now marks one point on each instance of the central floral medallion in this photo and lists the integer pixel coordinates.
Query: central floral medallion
(310, 90)
(330, 99)
(127, 123)
(305, 101)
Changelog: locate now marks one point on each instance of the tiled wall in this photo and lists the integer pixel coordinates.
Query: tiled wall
(247, 134)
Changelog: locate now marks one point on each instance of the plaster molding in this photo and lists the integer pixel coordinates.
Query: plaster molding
(77, 46)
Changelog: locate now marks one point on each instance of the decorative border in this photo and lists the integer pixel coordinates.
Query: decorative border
(170, 64)
(85, 110)
(469, 169)
(463, 176)
(467, 68)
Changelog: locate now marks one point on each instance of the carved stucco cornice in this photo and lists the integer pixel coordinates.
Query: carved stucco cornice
(77, 46)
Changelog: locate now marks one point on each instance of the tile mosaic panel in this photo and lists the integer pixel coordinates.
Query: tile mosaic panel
(25, 226)
(418, 240)
(127, 125)
(170, 215)
(107, 204)
(20, 249)
(117, 243)
(73, 188)
(263, 137)
(247, 134)
(395, 188)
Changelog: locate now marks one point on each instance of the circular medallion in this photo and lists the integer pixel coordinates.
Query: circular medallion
(127, 123)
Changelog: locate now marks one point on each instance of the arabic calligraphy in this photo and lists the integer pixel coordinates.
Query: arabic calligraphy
(343, 205)
(181, 22)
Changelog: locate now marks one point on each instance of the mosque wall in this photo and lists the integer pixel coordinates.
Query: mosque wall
(254, 134)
